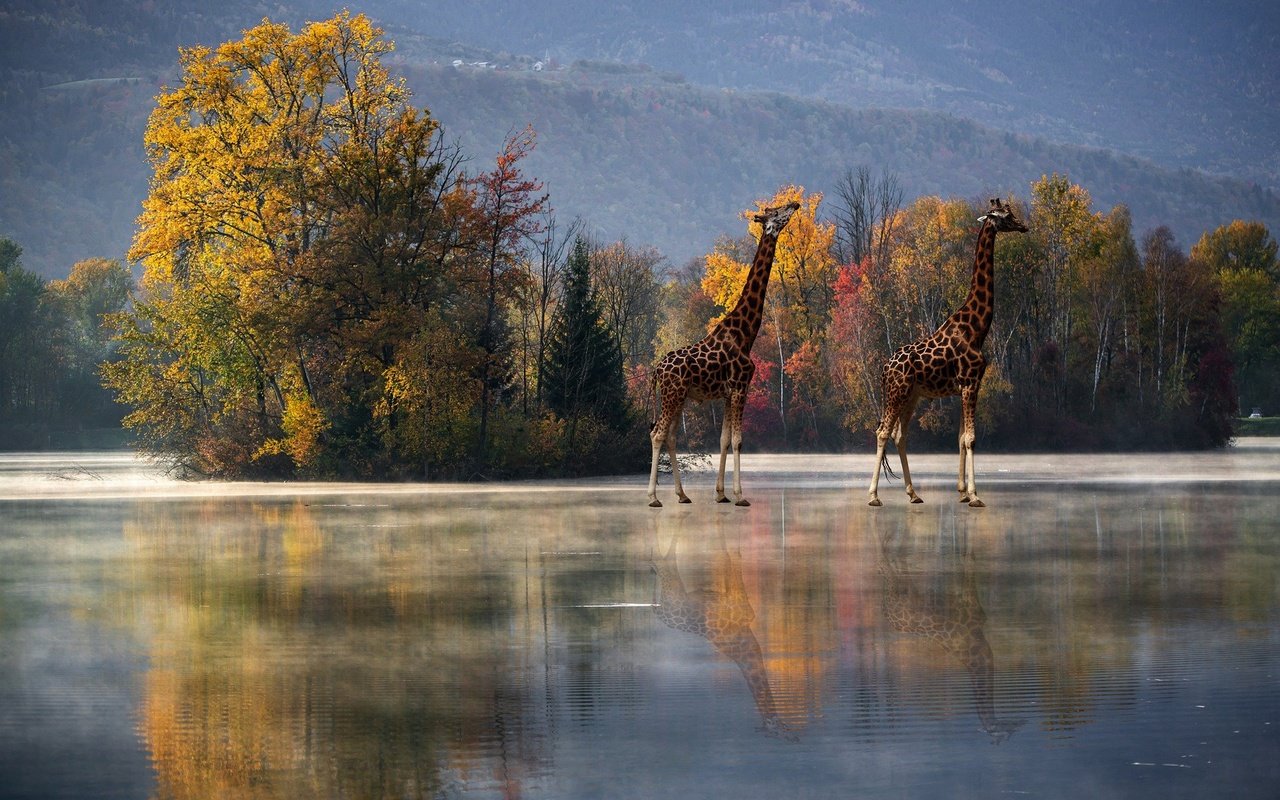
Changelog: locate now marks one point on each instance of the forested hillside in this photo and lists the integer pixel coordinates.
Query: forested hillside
(635, 150)
(668, 163)
(1184, 84)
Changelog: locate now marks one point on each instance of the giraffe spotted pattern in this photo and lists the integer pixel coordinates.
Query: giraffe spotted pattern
(947, 362)
(717, 367)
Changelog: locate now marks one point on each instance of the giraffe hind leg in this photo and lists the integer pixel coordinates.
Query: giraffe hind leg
(900, 443)
(737, 401)
(675, 467)
(897, 400)
(663, 431)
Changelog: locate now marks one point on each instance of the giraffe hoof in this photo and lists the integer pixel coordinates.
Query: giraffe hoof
(874, 502)
(655, 504)
(722, 499)
(964, 498)
(976, 503)
(916, 500)
(684, 499)
(742, 503)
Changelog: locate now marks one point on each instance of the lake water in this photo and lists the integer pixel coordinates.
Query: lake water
(1109, 626)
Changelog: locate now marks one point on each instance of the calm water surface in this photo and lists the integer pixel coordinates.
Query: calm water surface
(1107, 627)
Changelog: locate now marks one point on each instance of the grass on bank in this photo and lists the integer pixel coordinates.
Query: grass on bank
(1258, 426)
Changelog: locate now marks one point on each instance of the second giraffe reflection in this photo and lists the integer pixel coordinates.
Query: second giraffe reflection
(941, 604)
(714, 605)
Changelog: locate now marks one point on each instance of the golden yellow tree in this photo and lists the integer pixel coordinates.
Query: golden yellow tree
(927, 273)
(297, 224)
(803, 268)
(799, 300)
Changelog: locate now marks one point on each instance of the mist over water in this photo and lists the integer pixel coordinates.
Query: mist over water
(1106, 627)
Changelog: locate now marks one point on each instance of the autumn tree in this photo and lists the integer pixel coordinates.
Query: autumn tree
(53, 337)
(928, 270)
(1104, 280)
(509, 204)
(81, 309)
(540, 290)
(625, 278)
(856, 351)
(300, 230)
(864, 212)
(24, 368)
(1242, 257)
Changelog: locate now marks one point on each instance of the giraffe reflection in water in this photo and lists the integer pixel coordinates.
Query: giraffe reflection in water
(714, 605)
(940, 603)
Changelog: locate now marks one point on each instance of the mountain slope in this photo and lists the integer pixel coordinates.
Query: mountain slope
(1187, 85)
(672, 164)
(636, 151)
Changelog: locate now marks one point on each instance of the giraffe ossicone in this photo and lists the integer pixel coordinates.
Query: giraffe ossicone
(717, 367)
(948, 361)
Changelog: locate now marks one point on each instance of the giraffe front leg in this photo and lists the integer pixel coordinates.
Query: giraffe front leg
(733, 412)
(969, 408)
(726, 431)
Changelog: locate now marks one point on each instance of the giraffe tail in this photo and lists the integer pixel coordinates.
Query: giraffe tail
(886, 469)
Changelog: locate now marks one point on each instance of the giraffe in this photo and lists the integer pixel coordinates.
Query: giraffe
(718, 610)
(718, 366)
(944, 608)
(946, 362)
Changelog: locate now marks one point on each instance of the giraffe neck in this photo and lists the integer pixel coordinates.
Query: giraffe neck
(740, 645)
(743, 322)
(980, 305)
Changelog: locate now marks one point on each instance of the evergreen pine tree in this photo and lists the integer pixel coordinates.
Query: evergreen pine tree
(584, 369)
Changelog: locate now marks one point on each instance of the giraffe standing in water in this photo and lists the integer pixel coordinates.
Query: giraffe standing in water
(718, 366)
(948, 361)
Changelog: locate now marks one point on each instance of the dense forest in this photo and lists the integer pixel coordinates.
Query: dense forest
(330, 286)
(53, 339)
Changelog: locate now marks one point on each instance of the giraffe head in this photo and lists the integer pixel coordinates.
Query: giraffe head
(774, 219)
(1002, 217)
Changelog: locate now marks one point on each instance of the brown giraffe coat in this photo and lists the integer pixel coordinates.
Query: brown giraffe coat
(718, 366)
(947, 362)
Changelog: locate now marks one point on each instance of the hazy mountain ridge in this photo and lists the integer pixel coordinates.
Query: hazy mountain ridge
(694, 157)
(1205, 79)
(630, 147)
